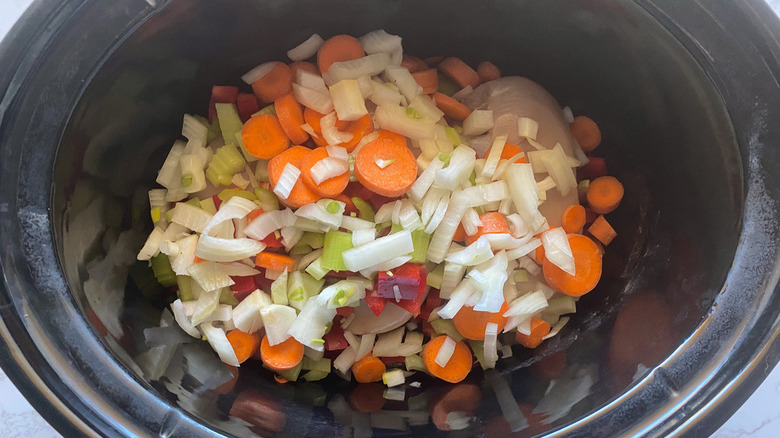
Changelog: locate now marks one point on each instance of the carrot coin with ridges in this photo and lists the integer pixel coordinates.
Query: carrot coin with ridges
(338, 49)
(329, 188)
(300, 195)
(386, 167)
(290, 115)
(263, 136)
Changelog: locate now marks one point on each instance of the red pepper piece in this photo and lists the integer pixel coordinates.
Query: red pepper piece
(375, 302)
(334, 339)
(271, 241)
(345, 311)
(414, 306)
(261, 282)
(221, 94)
(217, 201)
(392, 359)
(243, 286)
(433, 301)
(247, 105)
(595, 168)
(407, 277)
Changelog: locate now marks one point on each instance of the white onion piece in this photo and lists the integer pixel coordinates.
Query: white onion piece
(394, 118)
(382, 94)
(471, 222)
(209, 276)
(338, 152)
(306, 49)
(235, 208)
(191, 217)
(310, 325)
(277, 320)
(247, 314)
(383, 163)
(442, 236)
(438, 215)
(522, 187)
(218, 341)
(258, 72)
(347, 100)
(152, 245)
(290, 236)
(408, 217)
(328, 168)
(227, 250)
(493, 290)
(192, 165)
(315, 99)
(506, 241)
(356, 224)
(329, 131)
(478, 122)
(427, 109)
(380, 250)
(557, 165)
(309, 130)
(370, 65)
(405, 82)
(491, 162)
(452, 275)
(205, 305)
(557, 249)
(465, 290)
(385, 266)
(169, 175)
(474, 254)
(195, 132)
(490, 346)
(361, 237)
(183, 320)
(459, 168)
(185, 254)
(445, 352)
(365, 322)
(268, 222)
(504, 164)
(380, 41)
(385, 212)
(387, 344)
(527, 305)
(554, 331)
(320, 212)
(287, 180)
(223, 312)
(527, 127)
(345, 360)
(310, 80)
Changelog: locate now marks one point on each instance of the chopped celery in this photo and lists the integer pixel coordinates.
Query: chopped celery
(316, 365)
(225, 163)
(292, 374)
(316, 270)
(365, 211)
(163, 272)
(185, 287)
(478, 347)
(261, 171)
(301, 287)
(226, 194)
(268, 201)
(300, 249)
(434, 278)
(446, 327)
(226, 297)
(207, 204)
(314, 375)
(336, 242)
(144, 279)
(420, 240)
(195, 202)
(394, 228)
(229, 121)
(270, 109)
(447, 86)
(452, 136)
(415, 363)
(314, 240)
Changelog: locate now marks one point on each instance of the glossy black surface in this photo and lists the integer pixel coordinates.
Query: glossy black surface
(685, 94)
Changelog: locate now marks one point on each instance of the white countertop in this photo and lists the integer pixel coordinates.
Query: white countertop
(759, 417)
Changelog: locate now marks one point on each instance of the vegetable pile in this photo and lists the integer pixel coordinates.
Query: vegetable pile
(381, 215)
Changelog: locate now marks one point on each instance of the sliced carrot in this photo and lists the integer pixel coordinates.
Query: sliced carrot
(369, 369)
(252, 215)
(539, 329)
(358, 128)
(413, 63)
(573, 218)
(460, 234)
(451, 107)
(275, 84)
(305, 66)
(283, 356)
(300, 194)
(313, 118)
(460, 72)
(274, 261)
(464, 397)
(427, 79)
(587, 133)
(587, 268)
(263, 136)
(492, 223)
(472, 323)
(487, 71)
(509, 151)
(244, 344)
(338, 49)
(396, 178)
(457, 368)
(433, 61)
(329, 188)
(290, 115)
(604, 194)
(539, 255)
(602, 230)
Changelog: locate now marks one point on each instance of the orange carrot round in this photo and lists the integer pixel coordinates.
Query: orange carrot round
(300, 194)
(602, 230)
(275, 262)
(539, 254)
(329, 188)
(587, 268)
(244, 344)
(396, 178)
(460, 234)
(487, 71)
(413, 63)
(283, 356)
(369, 369)
(358, 128)
(427, 79)
(290, 115)
(587, 133)
(451, 107)
(263, 136)
(275, 84)
(459, 72)
(305, 66)
(573, 218)
(313, 118)
(539, 329)
(457, 368)
(604, 194)
(509, 151)
(338, 49)
(472, 323)
(492, 223)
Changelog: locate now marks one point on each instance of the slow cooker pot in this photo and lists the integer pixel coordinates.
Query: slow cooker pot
(682, 328)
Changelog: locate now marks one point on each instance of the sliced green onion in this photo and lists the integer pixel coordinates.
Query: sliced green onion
(365, 211)
(333, 207)
(186, 180)
(393, 378)
(444, 157)
(420, 240)
(301, 287)
(163, 272)
(336, 242)
(317, 341)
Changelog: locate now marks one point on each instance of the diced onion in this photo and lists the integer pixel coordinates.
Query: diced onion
(315, 99)
(383, 163)
(338, 152)
(380, 41)
(169, 175)
(192, 169)
(310, 80)
(527, 128)
(459, 168)
(207, 303)
(474, 254)
(277, 320)
(393, 378)
(306, 49)
(522, 187)
(471, 222)
(191, 217)
(227, 250)
(478, 122)
(345, 360)
(445, 352)
(348, 100)
(181, 318)
(427, 109)
(185, 254)
(329, 131)
(401, 77)
(493, 157)
(287, 180)
(235, 208)
(382, 94)
(258, 72)
(442, 236)
(557, 249)
(218, 341)
(370, 65)
(380, 250)
(269, 222)
(394, 118)
(527, 305)
(152, 245)
(465, 290)
(491, 344)
(325, 211)
(356, 224)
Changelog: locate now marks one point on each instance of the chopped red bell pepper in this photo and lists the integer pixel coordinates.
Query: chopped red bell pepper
(595, 168)
(261, 282)
(247, 105)
(407, 277)
(221, 94)
(392, 359)
(217, 201)
(433, 301)
(334, 339)
(242, 287)
(375, 302)
(345, 311)
(271, 241)
(413, 306)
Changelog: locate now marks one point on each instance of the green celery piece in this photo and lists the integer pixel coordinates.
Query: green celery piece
(365, 211)
(144, 279)
(447, 86)
(163, 272)
(300, 249)
(478, 347)
(292, 374)
(452, 136)
(261, 171)
(195, 202)
(226, 194)
(394, 228)
(268, 201)
(314, 240)
(270, 109)
(229, 121)
(208, 205)
(185, 287)
(336, 242)
(446, 327)
(316, 365)
(434, 278)
(301, 287)
(415, 363)
(226, 297)
(225, 163)
(316, 270)
(420, 240)
(313, 376)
